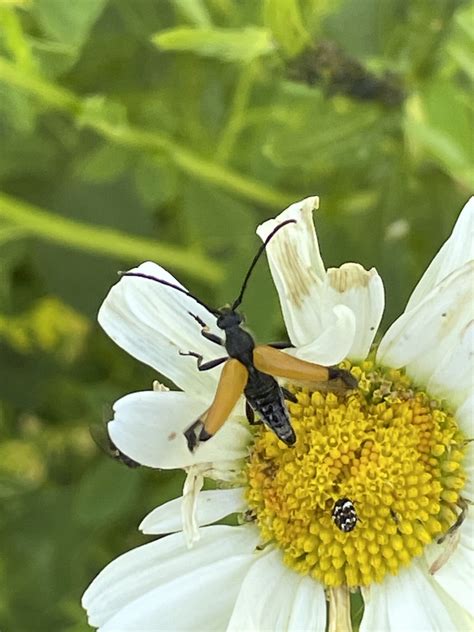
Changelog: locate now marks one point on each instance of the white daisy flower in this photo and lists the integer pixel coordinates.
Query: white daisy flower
(375, 493)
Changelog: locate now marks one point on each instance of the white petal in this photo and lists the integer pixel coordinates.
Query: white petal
(308, 610)
(334, 343)
(152, 323)
(452, 379)
(465, 419)
(375, 615)
(465, 416)
(148, 427)
(406, 602)
(309, 296)
(421, 338)
(458, 250)
(156, 570)
(273, 597)
(212, 505)
(201, 599)
(455, 576)
(468, 490)
(363, 292)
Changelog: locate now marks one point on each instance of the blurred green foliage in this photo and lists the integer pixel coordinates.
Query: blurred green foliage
(167, 129)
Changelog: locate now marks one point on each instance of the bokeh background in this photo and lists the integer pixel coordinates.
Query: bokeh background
(167, 130)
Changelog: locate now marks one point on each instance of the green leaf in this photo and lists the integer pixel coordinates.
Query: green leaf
(156, 180)
(236, 45)
(460, 45)
(98, 109)
(17, 111)
(357, 609)
(68, 22)
(284, 19)
(53, 57)
(439, 125)
(316, 130)
(103, 164)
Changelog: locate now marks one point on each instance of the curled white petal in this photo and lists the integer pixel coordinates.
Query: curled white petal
(148, 427)
(152, 323)
(297, 270)
(212, 505)
(334, 343)
(362, 291)
(309, 295)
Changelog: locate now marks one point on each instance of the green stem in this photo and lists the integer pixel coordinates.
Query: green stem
(14, 38)
(106, 241)
(186, 160)
(236, 116)
(47, 92)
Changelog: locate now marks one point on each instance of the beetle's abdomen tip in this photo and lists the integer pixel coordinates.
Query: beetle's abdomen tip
(290, 438)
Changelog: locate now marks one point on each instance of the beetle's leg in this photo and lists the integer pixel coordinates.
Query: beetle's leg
(249, 412)
(204, 366)
(349, 380)
(279, 364)
(212, 337)
(231, 385)
(198, 319)
(291, 397)
(283, 344)
(192, 434)
(464, 506)
(205, 331)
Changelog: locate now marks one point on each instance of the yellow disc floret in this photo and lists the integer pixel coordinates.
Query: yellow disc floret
(389, 449)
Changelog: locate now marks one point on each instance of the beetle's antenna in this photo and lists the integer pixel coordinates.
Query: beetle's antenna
(168, 284)
(238, 300)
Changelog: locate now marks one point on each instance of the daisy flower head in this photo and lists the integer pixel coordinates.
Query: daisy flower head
(373, 498)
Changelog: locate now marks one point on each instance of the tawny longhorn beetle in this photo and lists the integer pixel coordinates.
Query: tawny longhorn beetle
(249, 369)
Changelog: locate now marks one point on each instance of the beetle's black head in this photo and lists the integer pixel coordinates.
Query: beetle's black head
(228, 318)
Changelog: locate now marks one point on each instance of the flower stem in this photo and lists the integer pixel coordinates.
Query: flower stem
(236, 116)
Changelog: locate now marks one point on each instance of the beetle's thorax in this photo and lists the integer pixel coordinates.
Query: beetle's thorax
(239, 344)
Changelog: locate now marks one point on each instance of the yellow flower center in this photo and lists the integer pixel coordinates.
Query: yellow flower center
(375, 475)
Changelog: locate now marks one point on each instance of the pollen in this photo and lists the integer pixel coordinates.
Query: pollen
(374, 476)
